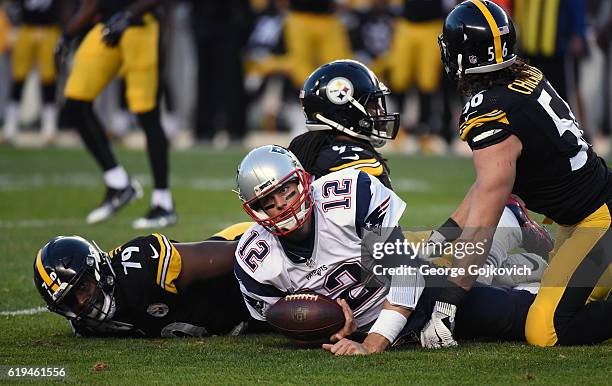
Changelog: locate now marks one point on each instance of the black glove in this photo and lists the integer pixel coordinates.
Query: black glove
(62, 51)
(115, 26)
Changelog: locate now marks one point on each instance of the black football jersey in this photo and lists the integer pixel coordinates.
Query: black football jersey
(148, 304)
(313, 6)
(424, 10)
(39, 12)
(557, 174)
(350, 155)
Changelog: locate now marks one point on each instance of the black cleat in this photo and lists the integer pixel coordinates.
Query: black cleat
(536, 238)
(115, 199)
(157, 217)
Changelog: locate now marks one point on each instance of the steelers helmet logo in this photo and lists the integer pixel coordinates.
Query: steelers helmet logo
(339, 90)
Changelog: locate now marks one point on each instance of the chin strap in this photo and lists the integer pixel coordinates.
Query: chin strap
(335, 125)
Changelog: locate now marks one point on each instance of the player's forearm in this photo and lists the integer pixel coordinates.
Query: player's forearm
(486, 208)
(82, 18)
(461, 213)
(205, 260)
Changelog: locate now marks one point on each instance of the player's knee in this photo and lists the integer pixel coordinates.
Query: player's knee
(539, 328)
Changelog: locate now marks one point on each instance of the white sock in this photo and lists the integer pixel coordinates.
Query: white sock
(116, 178)
(163, 198)
(49, 121)
(11, 120)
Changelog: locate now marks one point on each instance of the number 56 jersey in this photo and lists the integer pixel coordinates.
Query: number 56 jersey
(346, 204)
(557, 173)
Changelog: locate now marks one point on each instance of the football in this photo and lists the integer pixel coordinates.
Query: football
(306, 317)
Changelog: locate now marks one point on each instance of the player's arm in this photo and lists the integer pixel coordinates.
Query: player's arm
(495, 172)
(205, 260)
(81, 19)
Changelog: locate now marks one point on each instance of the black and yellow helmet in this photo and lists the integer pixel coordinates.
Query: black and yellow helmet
(66, 262)
(478, 37)
(345, 95)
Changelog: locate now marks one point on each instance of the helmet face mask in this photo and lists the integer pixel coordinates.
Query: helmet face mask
(264, 171)
(67, 268)
(478, 37)
(336, 97)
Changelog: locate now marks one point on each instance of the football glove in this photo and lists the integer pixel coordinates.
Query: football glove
(438, 332)
(114, 28)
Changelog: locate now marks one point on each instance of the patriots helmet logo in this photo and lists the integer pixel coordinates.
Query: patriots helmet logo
(339, 90)
(376, 217)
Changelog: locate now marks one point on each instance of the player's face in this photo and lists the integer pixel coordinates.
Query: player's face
(277, 201)
(83, 295)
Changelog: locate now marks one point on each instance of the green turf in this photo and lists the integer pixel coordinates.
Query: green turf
(44, 193)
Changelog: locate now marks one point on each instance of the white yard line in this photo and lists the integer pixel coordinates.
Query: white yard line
(40, 223)
(29, 311)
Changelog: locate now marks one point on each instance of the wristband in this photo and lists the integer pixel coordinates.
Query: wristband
(450, 230)
(389, 324)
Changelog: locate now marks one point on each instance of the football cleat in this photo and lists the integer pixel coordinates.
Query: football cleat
(157, 217)
(115, 199)
(536, 238)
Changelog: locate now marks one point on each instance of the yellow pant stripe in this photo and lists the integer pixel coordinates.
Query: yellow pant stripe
(573, 244)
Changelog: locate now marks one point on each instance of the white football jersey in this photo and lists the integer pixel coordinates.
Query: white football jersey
(344, 202)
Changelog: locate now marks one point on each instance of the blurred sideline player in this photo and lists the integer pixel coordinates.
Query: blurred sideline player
(37, 35)
(526, 141)
(314, 35)
(126, 42)
(413, 57)
(147, 287)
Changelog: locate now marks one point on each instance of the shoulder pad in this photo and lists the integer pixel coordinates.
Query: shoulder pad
(485, 110)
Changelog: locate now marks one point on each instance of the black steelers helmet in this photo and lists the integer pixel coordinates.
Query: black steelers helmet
(65, 263)
(478, 37)
(345, 95)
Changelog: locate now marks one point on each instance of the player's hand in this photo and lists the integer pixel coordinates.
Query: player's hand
(438, 332)
(114, 28)
(350, 325)
(62, 52)
(346, 347)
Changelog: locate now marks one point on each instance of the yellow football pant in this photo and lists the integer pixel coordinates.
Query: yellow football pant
(35, 44)
(136, 58)
(414, 57)
(313, 40)
(578, 273)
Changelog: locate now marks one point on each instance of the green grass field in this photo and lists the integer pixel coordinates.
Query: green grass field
(44, 193)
